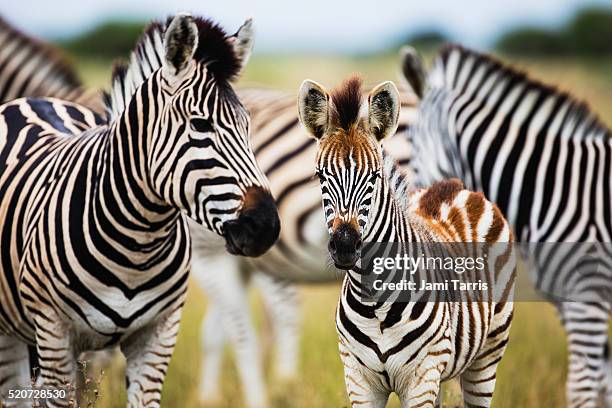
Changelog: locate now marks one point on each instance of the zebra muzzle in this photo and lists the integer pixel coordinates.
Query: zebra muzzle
(257, 227)
(345, 246)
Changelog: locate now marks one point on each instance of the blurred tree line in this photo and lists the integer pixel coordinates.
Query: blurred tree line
(109, 40)
(587, 34)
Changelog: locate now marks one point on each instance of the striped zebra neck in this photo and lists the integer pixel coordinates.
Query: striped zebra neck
(125, 168)
(388, 221)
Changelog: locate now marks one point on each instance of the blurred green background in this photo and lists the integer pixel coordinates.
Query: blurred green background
(575, 55)
(586, 34)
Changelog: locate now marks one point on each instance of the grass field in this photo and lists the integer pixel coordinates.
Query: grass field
(533, 370)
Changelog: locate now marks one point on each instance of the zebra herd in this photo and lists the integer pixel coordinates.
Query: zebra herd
(102, 203)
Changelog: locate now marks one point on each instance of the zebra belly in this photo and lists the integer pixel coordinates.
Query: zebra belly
(103, 333)
(93, 327)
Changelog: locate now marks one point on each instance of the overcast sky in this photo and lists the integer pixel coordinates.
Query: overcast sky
(309, 25)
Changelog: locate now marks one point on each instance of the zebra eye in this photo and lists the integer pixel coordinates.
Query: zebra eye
(375, 175)
(201, 125)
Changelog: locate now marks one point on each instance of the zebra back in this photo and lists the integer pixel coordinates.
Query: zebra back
(32, 68)
(521, 142)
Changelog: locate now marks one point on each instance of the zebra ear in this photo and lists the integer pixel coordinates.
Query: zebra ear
(242, 42)
(413, 70)
(313, 108)
(383, 110)
(180, 43)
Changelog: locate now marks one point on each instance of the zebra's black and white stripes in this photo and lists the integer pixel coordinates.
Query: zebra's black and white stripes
(546, 161)
(95, 251)
(409, 347)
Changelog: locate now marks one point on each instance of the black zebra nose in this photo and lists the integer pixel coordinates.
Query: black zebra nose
(345, 246)
(257, 227)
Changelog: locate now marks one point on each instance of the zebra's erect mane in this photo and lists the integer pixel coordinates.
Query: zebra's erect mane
(214, 49)
(61, 67)
(346, 104)
(578, 110)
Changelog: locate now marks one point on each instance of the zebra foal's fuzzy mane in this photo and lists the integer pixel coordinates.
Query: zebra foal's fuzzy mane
(214, 50)
(441, 77)
(347, 100)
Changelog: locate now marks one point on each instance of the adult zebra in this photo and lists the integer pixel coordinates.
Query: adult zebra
(408, 346)
(95, 251)
(31, 68)
(545, 160)
(285, 153)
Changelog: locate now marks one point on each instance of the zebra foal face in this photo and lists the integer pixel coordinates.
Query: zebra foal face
(202, 159)
(349, 159)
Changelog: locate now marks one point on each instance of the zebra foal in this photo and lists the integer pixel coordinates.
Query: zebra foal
(95, 248)
(403, 347)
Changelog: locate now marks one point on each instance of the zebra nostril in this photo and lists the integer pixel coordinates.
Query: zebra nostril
(358, 245)
(332, 245)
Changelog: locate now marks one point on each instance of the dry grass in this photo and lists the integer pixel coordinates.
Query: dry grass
(531, 374)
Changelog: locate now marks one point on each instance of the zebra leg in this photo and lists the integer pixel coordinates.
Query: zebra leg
(57, 358)
(14, 369)
(360, 391)
(607, 392)
(283, 306)
(221, 279)
(147, 353)
(478, 380)
(586, 325)
(607, 396)
(213, 339)
(423, 390)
